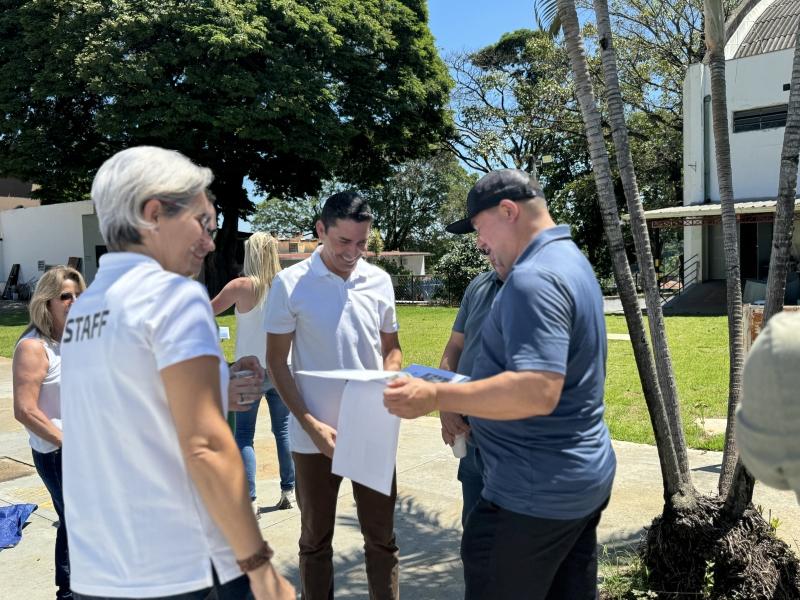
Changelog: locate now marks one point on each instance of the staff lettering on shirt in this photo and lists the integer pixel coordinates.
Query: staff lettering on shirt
(83, 328)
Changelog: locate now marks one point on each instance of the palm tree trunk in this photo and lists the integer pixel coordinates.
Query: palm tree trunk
(658, 334)
(740, 493)
(676, 491)
(787, 191)
(719, 112)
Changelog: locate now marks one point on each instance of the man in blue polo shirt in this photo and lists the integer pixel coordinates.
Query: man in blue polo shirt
(535, 405)
(459, 355)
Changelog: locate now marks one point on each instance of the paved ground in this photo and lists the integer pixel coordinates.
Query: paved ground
(428, 511)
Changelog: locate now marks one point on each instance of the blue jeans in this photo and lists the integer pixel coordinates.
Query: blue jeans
(246, 430)
(470, 474)
(49, 468)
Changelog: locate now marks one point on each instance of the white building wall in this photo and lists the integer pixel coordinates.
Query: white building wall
(693, 159)
(756, 82)
(415, 263)
(751, 82)
(50, 233)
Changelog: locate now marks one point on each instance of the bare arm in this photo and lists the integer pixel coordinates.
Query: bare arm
(515, 395)
(391, 351)
(213, 460)
(278, 346)
(452, 423)
(28, 370)
(452, 351)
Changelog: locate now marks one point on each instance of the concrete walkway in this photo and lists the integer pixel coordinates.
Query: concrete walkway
(428, 511)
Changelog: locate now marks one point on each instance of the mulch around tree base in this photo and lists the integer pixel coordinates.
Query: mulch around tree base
(694, 553)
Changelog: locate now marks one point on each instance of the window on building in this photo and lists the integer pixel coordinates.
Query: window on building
(760, 118)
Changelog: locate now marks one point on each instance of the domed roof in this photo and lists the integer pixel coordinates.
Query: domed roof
(773, 30)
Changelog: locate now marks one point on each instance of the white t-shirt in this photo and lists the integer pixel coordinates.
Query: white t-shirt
(337, 325)
(49, 395)
(137, 525)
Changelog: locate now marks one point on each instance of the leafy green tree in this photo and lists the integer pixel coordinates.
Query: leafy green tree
(287, 93)
(513, 102)
(408, 204)
(285, 217)
(459, 265)
(375, 242)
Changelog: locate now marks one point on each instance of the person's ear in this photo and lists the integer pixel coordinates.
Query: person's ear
(509, 209)
(151, 211)
(320, 229)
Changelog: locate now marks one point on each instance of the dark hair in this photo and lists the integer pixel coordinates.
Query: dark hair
(345, 205)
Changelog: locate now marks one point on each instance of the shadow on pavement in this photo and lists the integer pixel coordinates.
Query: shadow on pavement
(430, 566)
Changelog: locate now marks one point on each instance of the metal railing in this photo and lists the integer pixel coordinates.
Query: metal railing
(423, 289)
(674, 282)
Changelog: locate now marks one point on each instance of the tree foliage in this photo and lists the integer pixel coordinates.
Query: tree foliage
(513, 102)
(409, 204)
(287, 93)
(460, 264)
(287, 218)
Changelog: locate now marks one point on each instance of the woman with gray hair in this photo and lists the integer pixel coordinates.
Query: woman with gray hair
(155, 489)
(36, 381)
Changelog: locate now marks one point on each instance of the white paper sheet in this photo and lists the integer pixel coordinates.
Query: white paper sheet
(366, 437)
(354, 374)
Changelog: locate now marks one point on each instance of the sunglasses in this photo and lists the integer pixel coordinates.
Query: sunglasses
(68, 296)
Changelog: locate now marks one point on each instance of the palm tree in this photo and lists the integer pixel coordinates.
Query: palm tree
(787, 191)
(740, 492)
(641, 238)
(678, 489)
(715, 57)
(677, 542)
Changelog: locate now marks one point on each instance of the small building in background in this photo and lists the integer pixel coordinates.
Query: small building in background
(36, 237)
(293, 250)
(16, 194)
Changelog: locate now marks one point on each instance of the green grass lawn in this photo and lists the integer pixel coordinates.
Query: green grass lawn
(12, 324)
(698, 345)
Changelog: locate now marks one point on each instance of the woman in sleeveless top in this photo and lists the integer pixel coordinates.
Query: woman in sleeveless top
(36, 372)
(249, 294)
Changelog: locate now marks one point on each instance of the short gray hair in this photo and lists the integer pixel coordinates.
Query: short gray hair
(127, 180)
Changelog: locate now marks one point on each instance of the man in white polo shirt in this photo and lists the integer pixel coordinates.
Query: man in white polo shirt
(334, 311)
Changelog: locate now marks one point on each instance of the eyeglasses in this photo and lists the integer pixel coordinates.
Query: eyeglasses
(205, 222)
(204, 219)
(68, 296)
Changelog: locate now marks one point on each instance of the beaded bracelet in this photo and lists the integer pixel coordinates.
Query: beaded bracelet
(260, 558)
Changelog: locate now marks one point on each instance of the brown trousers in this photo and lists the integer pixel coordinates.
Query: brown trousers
(317, 490)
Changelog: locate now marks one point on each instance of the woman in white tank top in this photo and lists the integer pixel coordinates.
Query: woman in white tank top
(36, 375)
(249, 294)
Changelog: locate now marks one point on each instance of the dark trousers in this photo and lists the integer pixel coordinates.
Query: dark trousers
(508, 555)
(317, 490)
(49, 468)
(470, 474)
(237, 589)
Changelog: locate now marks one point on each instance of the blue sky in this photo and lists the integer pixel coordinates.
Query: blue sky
(473, 24)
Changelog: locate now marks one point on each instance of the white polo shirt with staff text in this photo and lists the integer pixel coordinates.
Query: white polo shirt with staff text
(337, 324)
(137, 525)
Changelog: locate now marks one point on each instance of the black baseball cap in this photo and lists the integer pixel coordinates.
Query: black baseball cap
(509, 184)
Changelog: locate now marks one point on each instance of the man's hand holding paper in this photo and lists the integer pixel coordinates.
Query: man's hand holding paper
(410, 398)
